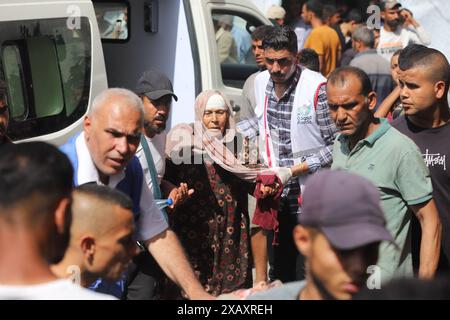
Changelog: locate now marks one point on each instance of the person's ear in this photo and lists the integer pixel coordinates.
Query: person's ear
(62, 216)
(372, 100)
(87, 247)
(439, 90)
(302, 239)
(87, 125)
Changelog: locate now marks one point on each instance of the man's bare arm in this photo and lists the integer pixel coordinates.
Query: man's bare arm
(168, 252)
(431, 238)
(386, 106)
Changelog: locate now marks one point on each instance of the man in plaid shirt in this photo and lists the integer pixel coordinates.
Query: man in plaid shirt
(296, 134)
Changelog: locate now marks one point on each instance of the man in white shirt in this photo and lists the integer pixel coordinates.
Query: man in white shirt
(156, 93)
(35, 187)
(393, 36)
(104, 153)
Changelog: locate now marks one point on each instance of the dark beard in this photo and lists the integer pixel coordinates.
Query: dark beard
(393, 24)
(151, 129)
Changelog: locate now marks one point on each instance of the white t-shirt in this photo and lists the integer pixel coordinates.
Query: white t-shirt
(302, 30)
(156, 145)
(61, 289)
(151, 220)
(392, 41)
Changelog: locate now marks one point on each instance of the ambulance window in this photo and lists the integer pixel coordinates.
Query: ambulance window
(234, 46)
(233, 40)
(46, 67)
(113, 20)
(13, 72)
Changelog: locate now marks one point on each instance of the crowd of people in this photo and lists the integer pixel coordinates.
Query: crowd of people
(334, 171)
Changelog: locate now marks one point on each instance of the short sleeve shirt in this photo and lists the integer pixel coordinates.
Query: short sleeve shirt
(60, 289)
(393, 163)
(325, 41)
(435, 147)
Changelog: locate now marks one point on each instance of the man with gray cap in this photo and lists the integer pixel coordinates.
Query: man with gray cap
(156, 92)
(392, 35)
(339, 241)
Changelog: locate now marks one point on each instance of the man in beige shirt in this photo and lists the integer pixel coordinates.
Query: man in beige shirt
(226, 46)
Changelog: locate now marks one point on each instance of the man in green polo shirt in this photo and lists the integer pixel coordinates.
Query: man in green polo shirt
(372, 148)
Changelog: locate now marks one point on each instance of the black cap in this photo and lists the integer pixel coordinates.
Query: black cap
(154, 85)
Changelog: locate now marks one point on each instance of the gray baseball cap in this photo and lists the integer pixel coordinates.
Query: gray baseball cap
(154, 85)
(390, 4)
(345, 207)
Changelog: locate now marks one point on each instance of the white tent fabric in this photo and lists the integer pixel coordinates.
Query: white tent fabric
(434, 16)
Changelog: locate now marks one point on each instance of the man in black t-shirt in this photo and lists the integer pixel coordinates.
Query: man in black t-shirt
(424, 82)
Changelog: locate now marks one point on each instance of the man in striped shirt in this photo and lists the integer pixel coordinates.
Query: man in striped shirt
(296, 135)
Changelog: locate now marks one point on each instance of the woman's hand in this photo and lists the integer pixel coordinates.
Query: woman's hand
(269, 190)
(180, 195)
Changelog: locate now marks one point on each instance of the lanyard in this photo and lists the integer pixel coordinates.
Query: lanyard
(151, 168)
(267, 135)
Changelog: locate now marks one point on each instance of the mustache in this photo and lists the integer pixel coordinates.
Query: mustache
(161, 118)
(394, 22)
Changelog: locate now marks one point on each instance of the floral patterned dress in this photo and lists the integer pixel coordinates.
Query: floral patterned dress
(213, 225)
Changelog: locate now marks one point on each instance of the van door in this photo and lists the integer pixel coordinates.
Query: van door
(227, 71)
(157, 36)
(52, 64)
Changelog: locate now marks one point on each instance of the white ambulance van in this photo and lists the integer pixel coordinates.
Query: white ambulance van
(56, 56)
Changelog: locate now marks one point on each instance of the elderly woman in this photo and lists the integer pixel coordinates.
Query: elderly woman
(213, 225)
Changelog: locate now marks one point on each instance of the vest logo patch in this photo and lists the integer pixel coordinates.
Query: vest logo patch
(304, 115)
